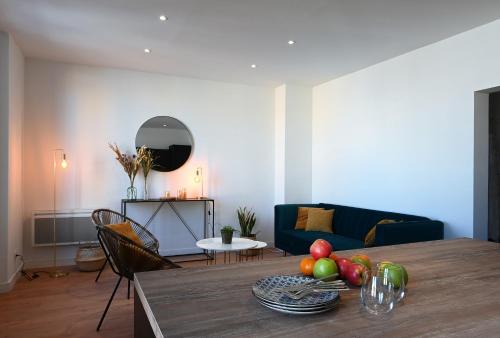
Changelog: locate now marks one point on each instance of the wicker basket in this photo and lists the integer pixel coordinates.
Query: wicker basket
(90, 258)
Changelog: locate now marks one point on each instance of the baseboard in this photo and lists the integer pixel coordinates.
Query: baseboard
(45, 263)
(9, 284)
(181, 251)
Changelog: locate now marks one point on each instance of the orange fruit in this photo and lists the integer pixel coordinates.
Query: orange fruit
(307, 266)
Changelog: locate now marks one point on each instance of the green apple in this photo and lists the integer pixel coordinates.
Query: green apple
(324, 267)
(395, 273)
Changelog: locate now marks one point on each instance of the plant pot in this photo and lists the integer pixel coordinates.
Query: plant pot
(250, 252)
(227, 237)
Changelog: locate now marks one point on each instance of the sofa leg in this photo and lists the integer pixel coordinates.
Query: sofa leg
(284, 253)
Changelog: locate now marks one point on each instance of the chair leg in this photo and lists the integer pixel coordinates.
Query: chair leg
(128, 290)
(100, 271)
(109, 303)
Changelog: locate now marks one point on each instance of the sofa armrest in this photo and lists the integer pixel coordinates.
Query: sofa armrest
(408, 232)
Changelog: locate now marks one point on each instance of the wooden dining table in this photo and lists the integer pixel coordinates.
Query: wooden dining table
(453, 291)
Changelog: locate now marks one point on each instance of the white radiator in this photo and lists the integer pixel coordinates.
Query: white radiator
(72, 227)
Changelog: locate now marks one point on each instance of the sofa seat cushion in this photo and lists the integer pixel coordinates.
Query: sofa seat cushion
(306, 238)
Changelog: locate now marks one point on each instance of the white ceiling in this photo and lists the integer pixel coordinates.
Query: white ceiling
(220, 39)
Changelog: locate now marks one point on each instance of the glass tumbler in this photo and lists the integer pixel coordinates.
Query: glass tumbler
(377, 294)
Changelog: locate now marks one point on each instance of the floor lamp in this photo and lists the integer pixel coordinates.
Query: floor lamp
(59, 158)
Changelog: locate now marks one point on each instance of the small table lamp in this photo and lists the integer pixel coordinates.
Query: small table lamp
(198, 178)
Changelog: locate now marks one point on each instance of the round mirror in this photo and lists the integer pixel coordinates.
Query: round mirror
(169, 140)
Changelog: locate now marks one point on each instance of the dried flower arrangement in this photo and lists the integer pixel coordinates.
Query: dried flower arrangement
(131, 165)
(145, 158)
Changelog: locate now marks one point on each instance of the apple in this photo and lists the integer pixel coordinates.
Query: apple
(320, 249)
(354, 273)
(333, 256)
(343, 265)
(324, 267)
(395, 274)
(362, 259)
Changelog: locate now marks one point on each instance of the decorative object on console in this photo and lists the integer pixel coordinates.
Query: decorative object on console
(227, 234)
(146, 160)
(58, 155)
(131, 165)
(198, 178)
(169, 141)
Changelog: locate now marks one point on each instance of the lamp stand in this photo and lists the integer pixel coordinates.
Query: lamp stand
(56, 273)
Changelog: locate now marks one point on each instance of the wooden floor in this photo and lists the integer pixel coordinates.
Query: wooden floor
(71, 306)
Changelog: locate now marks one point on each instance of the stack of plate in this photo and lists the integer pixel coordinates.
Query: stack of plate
(267, 294)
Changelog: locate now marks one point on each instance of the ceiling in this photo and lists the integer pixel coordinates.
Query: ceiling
(220, 39)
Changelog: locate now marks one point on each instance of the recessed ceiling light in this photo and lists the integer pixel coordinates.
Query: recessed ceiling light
(253, 66)
(291, 42)
(147, 50)
(163, 18)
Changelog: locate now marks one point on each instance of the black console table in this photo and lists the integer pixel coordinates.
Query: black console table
(209, 214)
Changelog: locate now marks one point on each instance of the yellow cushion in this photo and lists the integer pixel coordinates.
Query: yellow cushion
(370, 236)
(320, 220)
(302, 217)
(125, 229)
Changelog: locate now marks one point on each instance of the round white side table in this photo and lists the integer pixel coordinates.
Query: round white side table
(215, 244)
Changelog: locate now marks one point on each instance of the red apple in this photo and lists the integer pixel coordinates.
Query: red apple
(362, 259)
(343, 265)
(320, 249)
(333, 256)
(354, 273)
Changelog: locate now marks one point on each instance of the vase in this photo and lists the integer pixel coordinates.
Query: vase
(131, 193)
(146, 192)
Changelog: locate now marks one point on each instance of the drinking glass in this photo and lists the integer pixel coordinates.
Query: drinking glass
(377, 294)
(382, 288)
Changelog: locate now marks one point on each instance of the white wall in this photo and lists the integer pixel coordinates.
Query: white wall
(293, 128)
(11, 199)
(16, 108)
(399, 135)
(82, 108)
(4, 154)
(298, 158)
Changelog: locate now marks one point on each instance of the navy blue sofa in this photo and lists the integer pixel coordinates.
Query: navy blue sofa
(350, 226)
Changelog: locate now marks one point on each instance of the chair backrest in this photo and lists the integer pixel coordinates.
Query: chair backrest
(104, 217)
(127, 257)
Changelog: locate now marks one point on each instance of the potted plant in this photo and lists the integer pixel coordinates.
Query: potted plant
(226, 233)
(247, 220)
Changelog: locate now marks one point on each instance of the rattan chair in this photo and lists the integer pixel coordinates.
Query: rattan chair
(106, 217)
(126, 258)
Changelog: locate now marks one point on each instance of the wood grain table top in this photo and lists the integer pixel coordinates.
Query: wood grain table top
(454, 291)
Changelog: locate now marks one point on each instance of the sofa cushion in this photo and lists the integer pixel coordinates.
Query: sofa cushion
(320, 220)
(302, 216)
(306, 238)
(357, 222)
